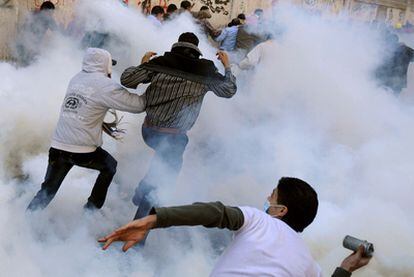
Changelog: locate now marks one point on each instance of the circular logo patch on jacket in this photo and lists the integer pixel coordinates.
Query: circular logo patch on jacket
(72, 103)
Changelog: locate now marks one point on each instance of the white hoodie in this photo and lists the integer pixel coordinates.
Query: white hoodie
(90, 94)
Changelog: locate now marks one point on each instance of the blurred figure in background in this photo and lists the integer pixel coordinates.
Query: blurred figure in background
(393, 73)
(202, 18)
(242, 18)
(33, 34)
(251, 33)
(228, 36)
(171, 12)
(258, 53)
(157, 16)
(247, 38)
(256, 17)
(76, 28)
(185, 6)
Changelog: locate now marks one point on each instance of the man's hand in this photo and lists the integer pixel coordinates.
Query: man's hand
(224, 58)
(356, 260)
(147, 57)
(131, 233)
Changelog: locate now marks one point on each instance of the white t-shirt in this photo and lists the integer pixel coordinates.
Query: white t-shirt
(266, 246)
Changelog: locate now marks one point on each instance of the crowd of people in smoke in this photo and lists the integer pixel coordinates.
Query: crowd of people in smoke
(242, 38)
(178, 81)
(241, 33)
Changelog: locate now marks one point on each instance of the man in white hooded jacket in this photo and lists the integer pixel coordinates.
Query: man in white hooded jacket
(78, 136)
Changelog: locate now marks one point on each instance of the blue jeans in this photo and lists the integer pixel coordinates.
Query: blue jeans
(164, 169)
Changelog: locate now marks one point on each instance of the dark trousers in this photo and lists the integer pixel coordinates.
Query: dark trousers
(60, 162)
(164, 169)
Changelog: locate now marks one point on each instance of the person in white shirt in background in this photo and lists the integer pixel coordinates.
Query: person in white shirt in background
(78, 136)
(256, 55)
(157, 16)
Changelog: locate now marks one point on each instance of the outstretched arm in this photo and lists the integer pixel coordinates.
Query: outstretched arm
(209, 215)
(121, 99)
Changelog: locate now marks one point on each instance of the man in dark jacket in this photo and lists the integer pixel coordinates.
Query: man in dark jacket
(179, 81)
(266, 243)
(392, 73)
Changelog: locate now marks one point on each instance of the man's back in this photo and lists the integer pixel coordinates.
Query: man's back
(265, 246)
(174, 102)
(178, 86)
(82, 112)
(228, 38)
(89, 95)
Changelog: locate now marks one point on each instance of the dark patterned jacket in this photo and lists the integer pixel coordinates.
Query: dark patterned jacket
(178, 83)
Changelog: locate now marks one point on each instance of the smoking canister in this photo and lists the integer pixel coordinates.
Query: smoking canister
(352, 243)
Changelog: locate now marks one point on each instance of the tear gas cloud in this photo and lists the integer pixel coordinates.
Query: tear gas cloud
(311, 109)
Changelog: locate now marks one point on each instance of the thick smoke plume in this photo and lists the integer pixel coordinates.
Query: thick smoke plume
(310, 109)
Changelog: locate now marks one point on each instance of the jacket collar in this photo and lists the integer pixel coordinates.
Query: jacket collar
(187, 45)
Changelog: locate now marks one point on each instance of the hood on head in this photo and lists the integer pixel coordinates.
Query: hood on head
(97, 60)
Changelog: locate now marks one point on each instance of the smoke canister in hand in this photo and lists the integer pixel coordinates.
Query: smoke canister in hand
(352, 243)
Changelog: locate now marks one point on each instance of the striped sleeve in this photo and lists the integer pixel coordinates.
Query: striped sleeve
(135, 75)
(226, 88)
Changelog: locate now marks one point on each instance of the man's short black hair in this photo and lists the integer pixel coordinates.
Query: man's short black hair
(189, 37)
(185, 5)
(171, 8)
(47, 6)
(241, 16)
(234, 22)
(157, 10)
(301, 201)
(203, 8)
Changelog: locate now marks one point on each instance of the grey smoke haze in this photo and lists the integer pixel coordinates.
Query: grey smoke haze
(310, 110)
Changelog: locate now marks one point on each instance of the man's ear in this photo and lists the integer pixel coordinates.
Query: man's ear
(281, 211)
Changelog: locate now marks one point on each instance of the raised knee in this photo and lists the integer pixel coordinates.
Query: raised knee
(111, 166)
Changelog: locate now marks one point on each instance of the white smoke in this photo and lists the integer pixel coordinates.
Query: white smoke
(311, 109)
